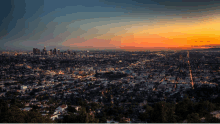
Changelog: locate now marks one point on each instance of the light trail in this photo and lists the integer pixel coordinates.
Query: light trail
(190, 71)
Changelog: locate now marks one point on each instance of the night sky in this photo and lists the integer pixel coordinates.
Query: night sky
(109, 24)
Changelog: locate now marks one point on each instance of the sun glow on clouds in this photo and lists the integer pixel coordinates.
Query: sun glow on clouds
(178, 33)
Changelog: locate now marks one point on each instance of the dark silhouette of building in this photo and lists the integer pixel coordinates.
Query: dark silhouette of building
(58, 51)
(68, 51)
(55, 51)
(51, 52)
(44, 51)
(36, 51)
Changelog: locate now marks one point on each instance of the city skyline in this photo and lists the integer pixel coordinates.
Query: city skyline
(119, 86)
(109, 61)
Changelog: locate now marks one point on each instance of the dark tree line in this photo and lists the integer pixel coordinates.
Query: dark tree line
(12, 114)
(187, 110)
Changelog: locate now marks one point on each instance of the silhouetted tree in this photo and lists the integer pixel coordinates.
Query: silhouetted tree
(193, 118)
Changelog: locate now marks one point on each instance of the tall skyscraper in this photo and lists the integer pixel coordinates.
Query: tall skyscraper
(45, 50)
(55, 51)
(58, 51)
(68, 51)
(38, 51)
(34, 51)
(48, 53)
(51, 52)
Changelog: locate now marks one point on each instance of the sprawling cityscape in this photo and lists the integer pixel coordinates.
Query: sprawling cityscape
(110, 86)
(109, 61)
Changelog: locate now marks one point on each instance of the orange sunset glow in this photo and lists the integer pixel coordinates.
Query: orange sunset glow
(112, 25)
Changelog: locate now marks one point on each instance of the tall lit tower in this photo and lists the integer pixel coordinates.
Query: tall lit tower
(38, 51)
(58, 51)
(51, 52)
(34, 51)
(55, 51)
(44, 50)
